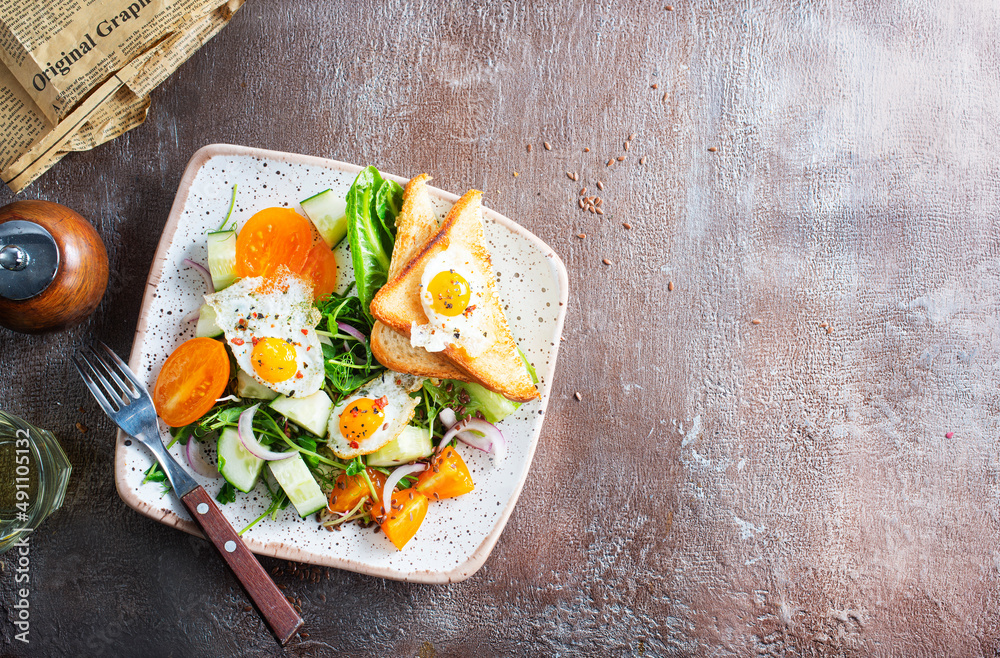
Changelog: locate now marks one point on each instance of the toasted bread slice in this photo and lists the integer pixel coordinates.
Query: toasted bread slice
(416, 224)
(499, 368)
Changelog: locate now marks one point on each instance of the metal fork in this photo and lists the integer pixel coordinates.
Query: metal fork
(125, 400)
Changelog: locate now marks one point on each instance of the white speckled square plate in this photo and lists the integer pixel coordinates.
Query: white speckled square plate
(458, 534)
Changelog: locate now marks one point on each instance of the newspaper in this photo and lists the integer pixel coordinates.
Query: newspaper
(77, 73)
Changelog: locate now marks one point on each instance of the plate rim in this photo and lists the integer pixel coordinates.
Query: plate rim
(283, 550)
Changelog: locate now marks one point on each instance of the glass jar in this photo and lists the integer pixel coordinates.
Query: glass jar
(34, 472)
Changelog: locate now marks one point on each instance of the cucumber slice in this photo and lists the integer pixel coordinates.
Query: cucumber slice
(248, 387)
(207, 327)
(299, 485)
(328, 212)
(240, 468)
(311, 413)
(412, 443)
(493, 405)
(222, 258)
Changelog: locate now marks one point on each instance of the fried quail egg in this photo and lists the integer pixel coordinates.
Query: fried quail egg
(269, 323)
(453, 294)
(374, 415)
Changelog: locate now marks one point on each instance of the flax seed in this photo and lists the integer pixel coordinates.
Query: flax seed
(599, 211)
(581, 235)
(712, 149)
(642, 160)
(529, 148)
(606, 261)
(598, 201)
(627, 145)
(670, 7)
(591, 208)
(548, 147)
(437, 496)
(626, 225)
(411, 495)
(516, 174)
(600, 185)
(829, 330)
(583, 191)
(755, 321)
(578, 396)
(621, 158)
(582, 205)
(569, 175)
(823, 325)
(670, 286)
(586, 150)
(664, 96)
(576, 176)
(611, 162)
(655, 86)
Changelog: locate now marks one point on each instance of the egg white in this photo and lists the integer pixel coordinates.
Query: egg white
(280, 307)
(471, 330)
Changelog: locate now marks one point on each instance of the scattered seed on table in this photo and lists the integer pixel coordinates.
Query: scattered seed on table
(582, 204)
(611, 162)
(598, 201)
(586, 150)
(621, 158)
(670, 7)
(581, 235)
(670, 286)
(626, 225)
(598, 211)
(576, 175)
(548, 147)
(655, 86)
(578, 396)
(600, 185)
(829, 330)
(606, 261)
(631, 137)
(529, 148)
(569, 175)
(755, 321)
(627, 145)
(516, 174)
(592, 209)
(664, 96)
(823, 325)
(642, 160)
(712, 149)
(583, 191)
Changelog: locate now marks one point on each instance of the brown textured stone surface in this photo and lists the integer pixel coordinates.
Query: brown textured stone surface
(723, 488)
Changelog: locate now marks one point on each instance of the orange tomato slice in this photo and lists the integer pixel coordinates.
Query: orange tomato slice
(271, 238)
(402, 524)
(321, 268)
(190, 381)
(348, 490)
(448, 477)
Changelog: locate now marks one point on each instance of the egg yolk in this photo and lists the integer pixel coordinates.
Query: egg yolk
(361, 419)
(274, 360)
(449, 293)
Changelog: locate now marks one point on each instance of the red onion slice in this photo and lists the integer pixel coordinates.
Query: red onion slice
(393, 479)
(205, 274)
(245, 430)
(198, 462)
(448, 417)
(193, 316)
(352, 332)
(492, 440)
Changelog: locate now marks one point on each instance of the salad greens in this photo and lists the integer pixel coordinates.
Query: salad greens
(372, 206)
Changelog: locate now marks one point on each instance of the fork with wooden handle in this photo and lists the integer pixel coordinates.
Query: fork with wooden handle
(125, 400)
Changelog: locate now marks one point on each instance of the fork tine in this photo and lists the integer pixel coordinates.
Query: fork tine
(128, 389)
(94, 388)
(124, 369)
(110, 393)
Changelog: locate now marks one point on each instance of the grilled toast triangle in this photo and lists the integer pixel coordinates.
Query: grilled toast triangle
(397, 305)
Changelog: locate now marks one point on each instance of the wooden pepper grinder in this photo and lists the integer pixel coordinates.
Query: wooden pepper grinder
(53, 267)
